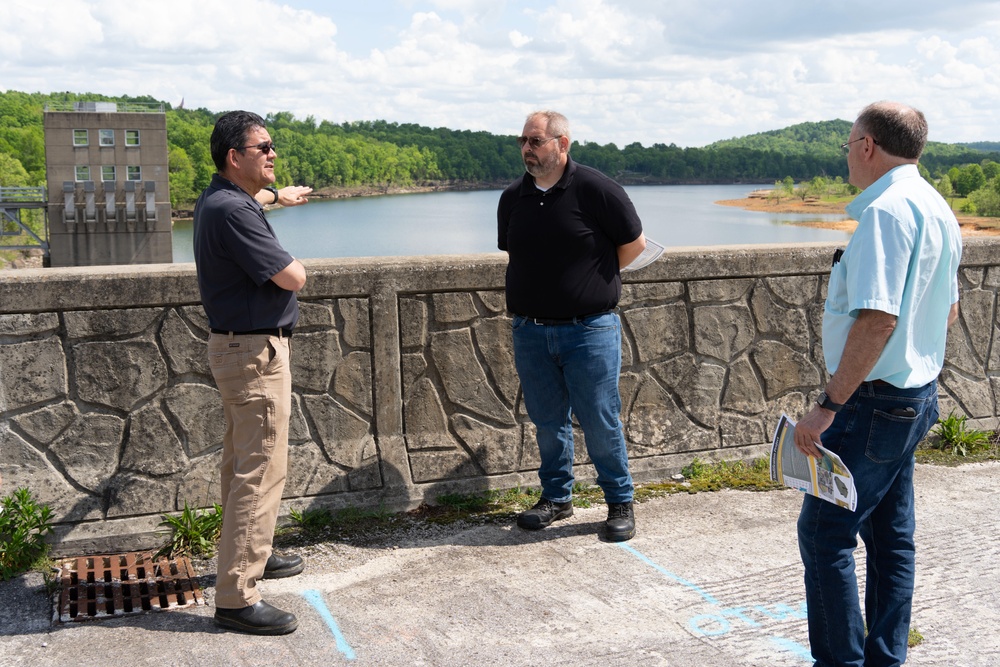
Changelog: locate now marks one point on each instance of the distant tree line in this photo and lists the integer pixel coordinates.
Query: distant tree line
(383, 154)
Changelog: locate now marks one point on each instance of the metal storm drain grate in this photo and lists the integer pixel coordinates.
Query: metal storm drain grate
(94, 587)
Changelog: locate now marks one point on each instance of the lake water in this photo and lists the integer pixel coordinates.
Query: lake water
(445, 223)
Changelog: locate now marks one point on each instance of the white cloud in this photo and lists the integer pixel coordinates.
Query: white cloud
(641, 70)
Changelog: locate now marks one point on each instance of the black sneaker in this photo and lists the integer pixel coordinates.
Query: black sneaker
(620, 525)
(543, 513)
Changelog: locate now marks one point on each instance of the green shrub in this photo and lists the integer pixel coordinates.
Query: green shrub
(23, 527)
(312, 521)
(193, 532)
(955, 436)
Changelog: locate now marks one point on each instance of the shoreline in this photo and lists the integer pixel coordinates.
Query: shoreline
(968, 224)
(347, 192)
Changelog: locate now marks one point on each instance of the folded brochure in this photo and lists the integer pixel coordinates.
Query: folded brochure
(826, 478)
(646, 257)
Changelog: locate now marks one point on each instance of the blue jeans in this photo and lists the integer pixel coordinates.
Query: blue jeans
(877, 446)
(573, 369)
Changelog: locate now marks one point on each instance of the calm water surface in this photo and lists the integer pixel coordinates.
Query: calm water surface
(445, 223)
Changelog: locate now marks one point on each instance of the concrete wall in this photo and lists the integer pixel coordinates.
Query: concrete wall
(404, 384)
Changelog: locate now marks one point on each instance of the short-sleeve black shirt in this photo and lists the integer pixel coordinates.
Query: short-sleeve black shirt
(237, 253)
(563, 243)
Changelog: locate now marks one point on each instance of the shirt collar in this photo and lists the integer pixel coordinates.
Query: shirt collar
(528, 182)
(223, 183)
(876, 189)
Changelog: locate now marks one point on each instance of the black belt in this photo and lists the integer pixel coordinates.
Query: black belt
(279, 332)
(556, 322)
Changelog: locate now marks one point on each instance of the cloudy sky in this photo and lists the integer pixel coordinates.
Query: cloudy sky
(666, 71)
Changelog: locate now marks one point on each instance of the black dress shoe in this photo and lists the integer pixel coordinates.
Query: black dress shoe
(258, 619)
(279, 567)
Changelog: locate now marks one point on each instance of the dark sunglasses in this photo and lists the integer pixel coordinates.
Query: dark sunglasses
(265, 147)
(534, 142)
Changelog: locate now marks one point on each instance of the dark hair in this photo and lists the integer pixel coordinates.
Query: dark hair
(231, 131)
(899, 130)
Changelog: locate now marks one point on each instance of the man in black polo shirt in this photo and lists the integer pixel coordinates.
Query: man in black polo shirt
(568, 229)
(248, 284)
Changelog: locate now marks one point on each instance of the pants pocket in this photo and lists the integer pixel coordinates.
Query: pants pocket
(893, 436)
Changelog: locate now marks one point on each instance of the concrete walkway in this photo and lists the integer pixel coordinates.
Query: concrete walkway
(711, 579)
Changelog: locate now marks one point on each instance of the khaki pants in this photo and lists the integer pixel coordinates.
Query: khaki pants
(253, 375)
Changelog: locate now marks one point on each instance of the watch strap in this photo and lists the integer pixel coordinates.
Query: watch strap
(824, 402)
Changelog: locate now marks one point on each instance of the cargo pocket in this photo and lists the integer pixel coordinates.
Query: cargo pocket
(228, 370)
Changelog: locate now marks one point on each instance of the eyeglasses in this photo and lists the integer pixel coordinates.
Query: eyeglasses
(264, 147)
(535, 142)
(846, 146)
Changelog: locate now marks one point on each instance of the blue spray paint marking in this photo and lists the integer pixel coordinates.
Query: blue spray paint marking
(708, 598)
(713, 625)
(316, 600)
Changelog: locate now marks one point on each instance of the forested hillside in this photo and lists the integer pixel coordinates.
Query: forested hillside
(378, 153)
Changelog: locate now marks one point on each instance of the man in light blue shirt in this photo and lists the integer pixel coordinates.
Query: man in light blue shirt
(893, 293)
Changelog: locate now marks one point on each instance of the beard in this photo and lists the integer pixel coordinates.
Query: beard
(541, 166)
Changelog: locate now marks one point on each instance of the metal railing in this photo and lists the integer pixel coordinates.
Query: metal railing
(106, 107)
(22, 195)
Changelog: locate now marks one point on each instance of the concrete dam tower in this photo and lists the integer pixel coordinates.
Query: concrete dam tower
(108, 188)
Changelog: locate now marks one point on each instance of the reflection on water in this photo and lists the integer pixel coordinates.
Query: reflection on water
(445, 223)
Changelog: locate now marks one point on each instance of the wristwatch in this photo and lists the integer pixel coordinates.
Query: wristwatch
(825, 403)
(273, 191)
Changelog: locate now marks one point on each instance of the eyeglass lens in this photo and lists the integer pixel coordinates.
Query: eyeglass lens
(264, 147)
(534, 142)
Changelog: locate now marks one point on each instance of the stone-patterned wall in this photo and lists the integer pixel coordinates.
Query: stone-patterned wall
(404, 382)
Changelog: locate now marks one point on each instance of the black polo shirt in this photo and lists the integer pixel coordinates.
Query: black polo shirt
(563, 243)
(237, 254)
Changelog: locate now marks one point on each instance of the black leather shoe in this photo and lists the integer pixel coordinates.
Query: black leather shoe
(620, 525)
(543, 513)
(259, 619)
(279, 567)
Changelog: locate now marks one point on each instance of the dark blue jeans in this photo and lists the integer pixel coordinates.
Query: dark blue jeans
(875, 435)
(573, 369)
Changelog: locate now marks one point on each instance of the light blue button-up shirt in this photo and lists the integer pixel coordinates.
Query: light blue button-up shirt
(903, 260)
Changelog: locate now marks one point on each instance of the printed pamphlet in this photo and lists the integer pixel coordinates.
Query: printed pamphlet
(648, 256)
(827, 478)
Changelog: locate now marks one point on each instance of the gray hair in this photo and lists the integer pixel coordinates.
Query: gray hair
(898, 129)
(556, 124)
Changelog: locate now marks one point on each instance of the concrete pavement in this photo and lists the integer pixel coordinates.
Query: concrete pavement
(711, 579)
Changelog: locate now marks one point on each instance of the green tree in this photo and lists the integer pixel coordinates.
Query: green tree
(944, 187)
(12, 172)
(986, 201)
(181, 175)
(970, 178)
(991, 169)
(788, 186)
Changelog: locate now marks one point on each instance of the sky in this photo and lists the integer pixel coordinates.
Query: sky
(623, 71)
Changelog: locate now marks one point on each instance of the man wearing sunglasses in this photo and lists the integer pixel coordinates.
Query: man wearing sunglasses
(248, 285)
(568, 230)
(893, 293)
